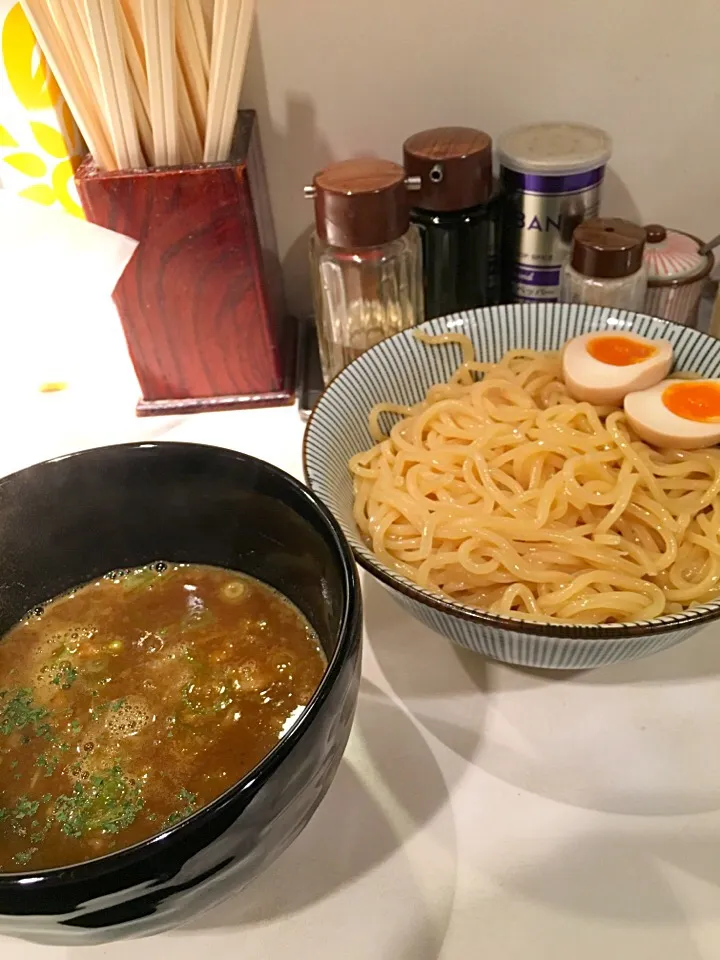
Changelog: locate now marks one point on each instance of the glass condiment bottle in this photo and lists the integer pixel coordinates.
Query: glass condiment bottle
(606, 265)
(458, 211)
(365, 258)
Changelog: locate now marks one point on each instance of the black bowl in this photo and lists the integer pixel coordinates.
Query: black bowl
(66, 521)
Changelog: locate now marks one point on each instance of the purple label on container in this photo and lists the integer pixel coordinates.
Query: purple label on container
(539, 276)
(543, 211)
(539, 183)
(526, 299)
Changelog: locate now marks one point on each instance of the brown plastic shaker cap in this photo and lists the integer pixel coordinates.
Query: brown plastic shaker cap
(361, 203)
(454, 165)
(655, 233)
(607, 248)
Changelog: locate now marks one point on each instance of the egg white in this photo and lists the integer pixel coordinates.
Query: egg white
(655, 424)
(591, 380)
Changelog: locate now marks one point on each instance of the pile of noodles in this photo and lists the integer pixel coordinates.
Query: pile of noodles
(502, 493)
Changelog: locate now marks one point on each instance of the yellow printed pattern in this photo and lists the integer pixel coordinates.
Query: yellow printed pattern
(40, 145)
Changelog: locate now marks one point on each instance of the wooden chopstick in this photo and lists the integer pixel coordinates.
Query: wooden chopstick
(107, 81)
(225, 24)
(192, 67)
(236, 76)
(168, 71)
(132, 16)
(197, 16)
(72, 27)
(190, 139)
(135, 55)
(142, 121)
(114, 80)
(76, 95)
(151, 44)
(142, 77)
(123, 81)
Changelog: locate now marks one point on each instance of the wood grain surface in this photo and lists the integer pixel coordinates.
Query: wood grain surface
(201, 301)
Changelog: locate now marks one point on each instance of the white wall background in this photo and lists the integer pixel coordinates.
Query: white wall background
(334, 78)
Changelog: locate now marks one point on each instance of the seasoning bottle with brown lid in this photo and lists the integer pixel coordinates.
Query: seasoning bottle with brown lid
(458, 211)
(365, 258)
(606, 266)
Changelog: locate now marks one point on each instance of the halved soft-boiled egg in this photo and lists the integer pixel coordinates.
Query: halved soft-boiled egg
(603, 367)
(677, 413)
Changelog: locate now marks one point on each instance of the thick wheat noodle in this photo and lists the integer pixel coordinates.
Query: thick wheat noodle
(503, 493)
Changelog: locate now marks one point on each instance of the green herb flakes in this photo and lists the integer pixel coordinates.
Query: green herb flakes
(20, 712)
(25, 808)
(66, 675)
(48, 764)
(108, 803)
(190, 801)
(25, 856)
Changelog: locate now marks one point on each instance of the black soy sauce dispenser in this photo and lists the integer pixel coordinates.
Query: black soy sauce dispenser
(458, 212)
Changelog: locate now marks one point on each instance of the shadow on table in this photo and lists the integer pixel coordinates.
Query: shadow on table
(436, 680)
(350, 833)
(691, 660)
(585, 739)
(627, 877)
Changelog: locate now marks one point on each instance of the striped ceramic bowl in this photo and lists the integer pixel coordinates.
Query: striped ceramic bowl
(401, 370)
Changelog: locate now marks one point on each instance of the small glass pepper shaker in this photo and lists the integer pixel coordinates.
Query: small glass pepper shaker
(365, 259)
(606, 265)
(458, 213)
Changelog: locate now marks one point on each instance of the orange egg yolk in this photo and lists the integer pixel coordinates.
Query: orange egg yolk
(619, 351)
(699, 401)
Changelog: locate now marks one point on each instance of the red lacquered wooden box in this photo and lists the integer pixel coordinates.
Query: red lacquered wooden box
(201, 301)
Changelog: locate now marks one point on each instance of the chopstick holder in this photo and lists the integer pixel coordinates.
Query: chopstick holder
(201, 302)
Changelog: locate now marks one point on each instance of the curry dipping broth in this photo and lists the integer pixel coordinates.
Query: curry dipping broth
(133, 701)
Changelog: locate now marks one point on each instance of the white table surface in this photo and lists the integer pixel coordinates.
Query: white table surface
(480, 810)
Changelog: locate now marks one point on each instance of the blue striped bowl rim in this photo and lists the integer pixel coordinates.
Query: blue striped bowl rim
(401, 369)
